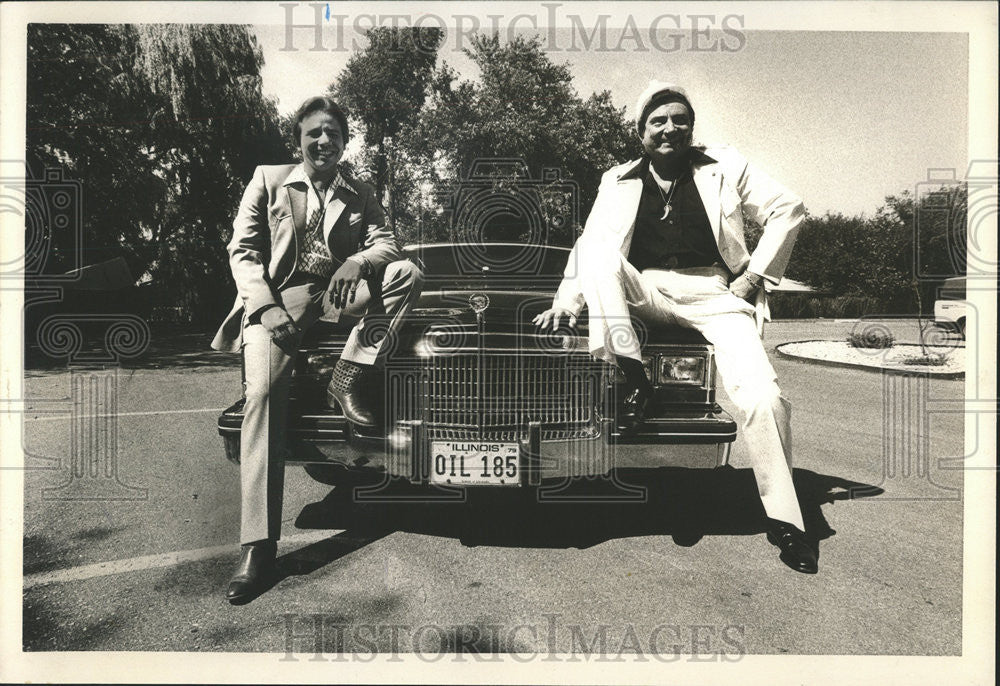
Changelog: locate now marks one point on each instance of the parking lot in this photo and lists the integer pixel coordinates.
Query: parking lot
(142, 564)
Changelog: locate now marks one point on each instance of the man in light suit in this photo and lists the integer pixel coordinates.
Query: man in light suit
(665, 243)
(308, 241)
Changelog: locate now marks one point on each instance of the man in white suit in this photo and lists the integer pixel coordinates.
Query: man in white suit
(665, 243)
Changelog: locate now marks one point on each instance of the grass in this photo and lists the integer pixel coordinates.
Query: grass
(928, 360)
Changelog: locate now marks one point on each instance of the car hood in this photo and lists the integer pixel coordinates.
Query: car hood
(443, 320)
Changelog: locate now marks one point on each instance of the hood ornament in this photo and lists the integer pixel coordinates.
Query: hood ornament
(479, 302)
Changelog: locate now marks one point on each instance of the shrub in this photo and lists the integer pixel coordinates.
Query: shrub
(929, 360)
(871, 338)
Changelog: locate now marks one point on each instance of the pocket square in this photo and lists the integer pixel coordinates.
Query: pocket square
(354, 218)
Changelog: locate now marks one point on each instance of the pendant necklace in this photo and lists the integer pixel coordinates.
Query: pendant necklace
(667, 197)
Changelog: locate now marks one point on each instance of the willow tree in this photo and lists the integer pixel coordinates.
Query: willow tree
(163, 124)
(210, 125)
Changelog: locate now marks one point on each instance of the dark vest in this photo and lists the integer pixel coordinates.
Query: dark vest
(683, 239)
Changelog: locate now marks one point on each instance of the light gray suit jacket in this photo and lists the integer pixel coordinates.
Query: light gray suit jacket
(270, 226)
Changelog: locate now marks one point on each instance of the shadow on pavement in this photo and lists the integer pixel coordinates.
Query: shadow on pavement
(686, 504)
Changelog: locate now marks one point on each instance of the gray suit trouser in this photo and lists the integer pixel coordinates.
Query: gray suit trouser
(268, 375)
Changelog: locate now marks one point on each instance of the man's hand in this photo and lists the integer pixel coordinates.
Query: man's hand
(745, 285)
(554, 315)
(344, 284)
(281, 327)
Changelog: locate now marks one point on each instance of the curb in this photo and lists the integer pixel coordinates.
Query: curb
(866, 367)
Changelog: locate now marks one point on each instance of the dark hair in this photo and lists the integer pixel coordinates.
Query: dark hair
(662, 98)
(316, 104)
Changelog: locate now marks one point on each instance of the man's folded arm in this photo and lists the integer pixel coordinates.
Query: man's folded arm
(569, 295)
(779, 211)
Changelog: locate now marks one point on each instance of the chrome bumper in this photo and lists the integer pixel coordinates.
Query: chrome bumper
(696, 441)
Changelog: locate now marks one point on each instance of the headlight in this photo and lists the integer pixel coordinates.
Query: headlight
(689, 370)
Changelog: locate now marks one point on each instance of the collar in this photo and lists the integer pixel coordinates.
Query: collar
(298, 175)
(636, 169)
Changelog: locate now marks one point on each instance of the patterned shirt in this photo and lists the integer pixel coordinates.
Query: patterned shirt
(314, 257)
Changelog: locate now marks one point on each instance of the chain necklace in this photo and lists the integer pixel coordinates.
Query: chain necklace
(667, 197)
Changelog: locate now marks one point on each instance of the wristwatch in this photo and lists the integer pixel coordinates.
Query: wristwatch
(755, 280)
(366, 267)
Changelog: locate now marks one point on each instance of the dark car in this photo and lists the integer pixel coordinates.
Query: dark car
(474, 395)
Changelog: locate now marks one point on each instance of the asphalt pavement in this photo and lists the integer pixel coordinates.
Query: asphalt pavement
(143, 561)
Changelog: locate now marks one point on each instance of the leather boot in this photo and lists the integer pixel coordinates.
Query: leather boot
(346, 387)
(632, 413)
(253, 573)
(636, 393)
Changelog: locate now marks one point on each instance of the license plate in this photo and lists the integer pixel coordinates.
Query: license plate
(471, 463)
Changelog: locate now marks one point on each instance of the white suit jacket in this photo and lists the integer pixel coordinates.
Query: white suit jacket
(729, 188)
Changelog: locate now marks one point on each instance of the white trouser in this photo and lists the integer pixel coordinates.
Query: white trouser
(699, 298)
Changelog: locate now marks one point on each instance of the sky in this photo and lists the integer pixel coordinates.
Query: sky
(843, 119)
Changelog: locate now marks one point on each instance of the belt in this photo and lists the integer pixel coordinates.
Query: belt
(687, 260)
(301, 277)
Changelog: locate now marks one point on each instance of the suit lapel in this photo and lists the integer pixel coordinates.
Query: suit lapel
(708, 180)
(297, 201)
(631, 193)
(334, 209)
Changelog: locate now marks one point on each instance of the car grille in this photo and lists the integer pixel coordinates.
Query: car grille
(493, 396)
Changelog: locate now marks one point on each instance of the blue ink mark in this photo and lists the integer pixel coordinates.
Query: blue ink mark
(328, 11)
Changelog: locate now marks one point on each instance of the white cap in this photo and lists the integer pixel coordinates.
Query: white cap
(652, 90)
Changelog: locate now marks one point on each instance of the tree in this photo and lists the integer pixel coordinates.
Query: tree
(522, 106)
(384, 86)
(206, 147)
(898, 256)
(164, 124)
(84, 119)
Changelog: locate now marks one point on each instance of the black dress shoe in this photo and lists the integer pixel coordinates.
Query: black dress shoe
(796, 551)
(632, 412)
(254, 572)
(346, 388)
